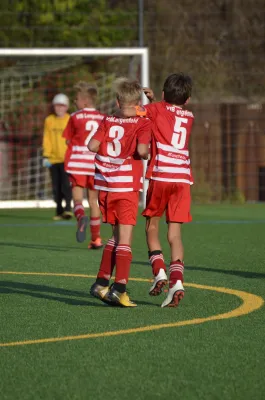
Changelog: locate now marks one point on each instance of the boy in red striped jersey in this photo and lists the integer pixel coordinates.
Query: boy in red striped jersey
(170, 179)
(79, 161)
(120, 143)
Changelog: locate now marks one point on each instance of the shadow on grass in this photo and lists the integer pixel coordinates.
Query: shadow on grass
(42, 246)
(51, 293)
(47, 292)
(241, 274)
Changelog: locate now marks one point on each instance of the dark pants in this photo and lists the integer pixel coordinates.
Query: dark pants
(61, 188)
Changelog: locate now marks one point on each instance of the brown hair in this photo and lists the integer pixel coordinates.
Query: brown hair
(128, 92)
(87, 90)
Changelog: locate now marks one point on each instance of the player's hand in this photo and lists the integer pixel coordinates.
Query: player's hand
(46, 163)
(149, 94)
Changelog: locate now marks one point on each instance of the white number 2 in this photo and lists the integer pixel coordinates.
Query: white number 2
(180, 133)
(114, 148)
(92, 127)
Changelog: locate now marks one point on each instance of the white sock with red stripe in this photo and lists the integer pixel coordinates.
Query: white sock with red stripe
(79, 210)
(95, 228)
(156, 259)
(176, 270)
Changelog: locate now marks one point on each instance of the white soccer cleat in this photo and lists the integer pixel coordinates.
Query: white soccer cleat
(175, 294)
(160, 280)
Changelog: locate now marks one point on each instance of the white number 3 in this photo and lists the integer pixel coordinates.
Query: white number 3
(114, 148)
(180, 133)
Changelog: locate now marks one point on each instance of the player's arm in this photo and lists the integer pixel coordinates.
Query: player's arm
(95, 141)
(68, 131)
(149, 94)
(47, 143)
(144, 137)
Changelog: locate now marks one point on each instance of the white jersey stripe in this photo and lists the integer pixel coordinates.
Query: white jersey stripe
(114, 179)
(80, 165)
(87, 172)
(80, 148)
(166, 147)
(173, 170)
(121, 168)
(111, 160)
(108, 189)
(82, 157)
(171, 160)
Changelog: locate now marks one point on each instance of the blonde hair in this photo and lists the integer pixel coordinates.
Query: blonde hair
(87, 90)
(128, 91)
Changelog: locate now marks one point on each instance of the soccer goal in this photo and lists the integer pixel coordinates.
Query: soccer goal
(29, 79)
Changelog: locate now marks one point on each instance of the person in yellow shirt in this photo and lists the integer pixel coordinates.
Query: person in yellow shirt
(54, 149)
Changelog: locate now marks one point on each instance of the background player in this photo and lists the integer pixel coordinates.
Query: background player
(79, 163)
(169, 188)
(120, 143)
(54, 149)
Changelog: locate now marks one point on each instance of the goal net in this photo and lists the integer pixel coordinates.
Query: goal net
(29, 80)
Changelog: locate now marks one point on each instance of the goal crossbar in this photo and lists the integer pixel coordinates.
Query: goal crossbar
(142, 52)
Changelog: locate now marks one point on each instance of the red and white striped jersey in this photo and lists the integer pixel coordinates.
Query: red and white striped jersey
(81, 127)
(170, 161)
(118, 166)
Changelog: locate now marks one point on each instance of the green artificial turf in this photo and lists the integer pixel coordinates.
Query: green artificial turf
(224, 359)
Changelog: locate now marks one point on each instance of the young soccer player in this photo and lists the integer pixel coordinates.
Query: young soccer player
(170, 179)
(54, 149)
(120, 143)
(79, 163)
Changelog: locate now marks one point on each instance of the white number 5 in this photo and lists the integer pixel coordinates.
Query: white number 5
(180, 133)
(114, 148)
(92, 127)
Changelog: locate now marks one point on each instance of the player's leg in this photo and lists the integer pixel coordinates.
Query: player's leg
(178, 212)
(101, 287)
(66, 191)
(118, 294)
(156, 203)
(126, 209)
(56, 188)
(96, 242)
(79, 211)
(155, 254)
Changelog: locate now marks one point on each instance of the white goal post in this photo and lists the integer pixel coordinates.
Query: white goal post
(143, 53)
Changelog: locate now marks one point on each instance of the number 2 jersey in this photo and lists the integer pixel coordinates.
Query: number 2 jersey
(118, 165)
(171, 129)
(81, 127)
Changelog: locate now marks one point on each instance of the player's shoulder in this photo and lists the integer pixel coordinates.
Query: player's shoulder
(50, 119)
(179, 111)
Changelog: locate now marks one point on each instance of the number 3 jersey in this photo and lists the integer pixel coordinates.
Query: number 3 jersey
(170, 161)
(81, 127)
(118, 165)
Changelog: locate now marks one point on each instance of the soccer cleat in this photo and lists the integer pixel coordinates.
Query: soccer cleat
(57, 218)
(175, 294)
(95, 244)
(100, 292)
(81, 229)
(160, 280)
(68, 215)
(120, 299)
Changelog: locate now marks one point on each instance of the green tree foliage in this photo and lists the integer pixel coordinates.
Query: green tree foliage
(29, 23)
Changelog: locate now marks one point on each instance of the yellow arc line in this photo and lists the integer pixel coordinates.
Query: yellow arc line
(251, 302)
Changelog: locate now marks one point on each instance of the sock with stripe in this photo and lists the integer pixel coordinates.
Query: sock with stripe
(176, 271)
(79, 210)
(107, 264)
(123, 264)
(157, 261)
(94, 228)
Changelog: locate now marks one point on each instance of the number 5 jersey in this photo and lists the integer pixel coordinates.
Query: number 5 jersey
(171, 129)
(118, 165)
(81, 127)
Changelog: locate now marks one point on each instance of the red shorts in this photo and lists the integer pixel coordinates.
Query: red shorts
(172, 198)
(119, 208)
(84, 181)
